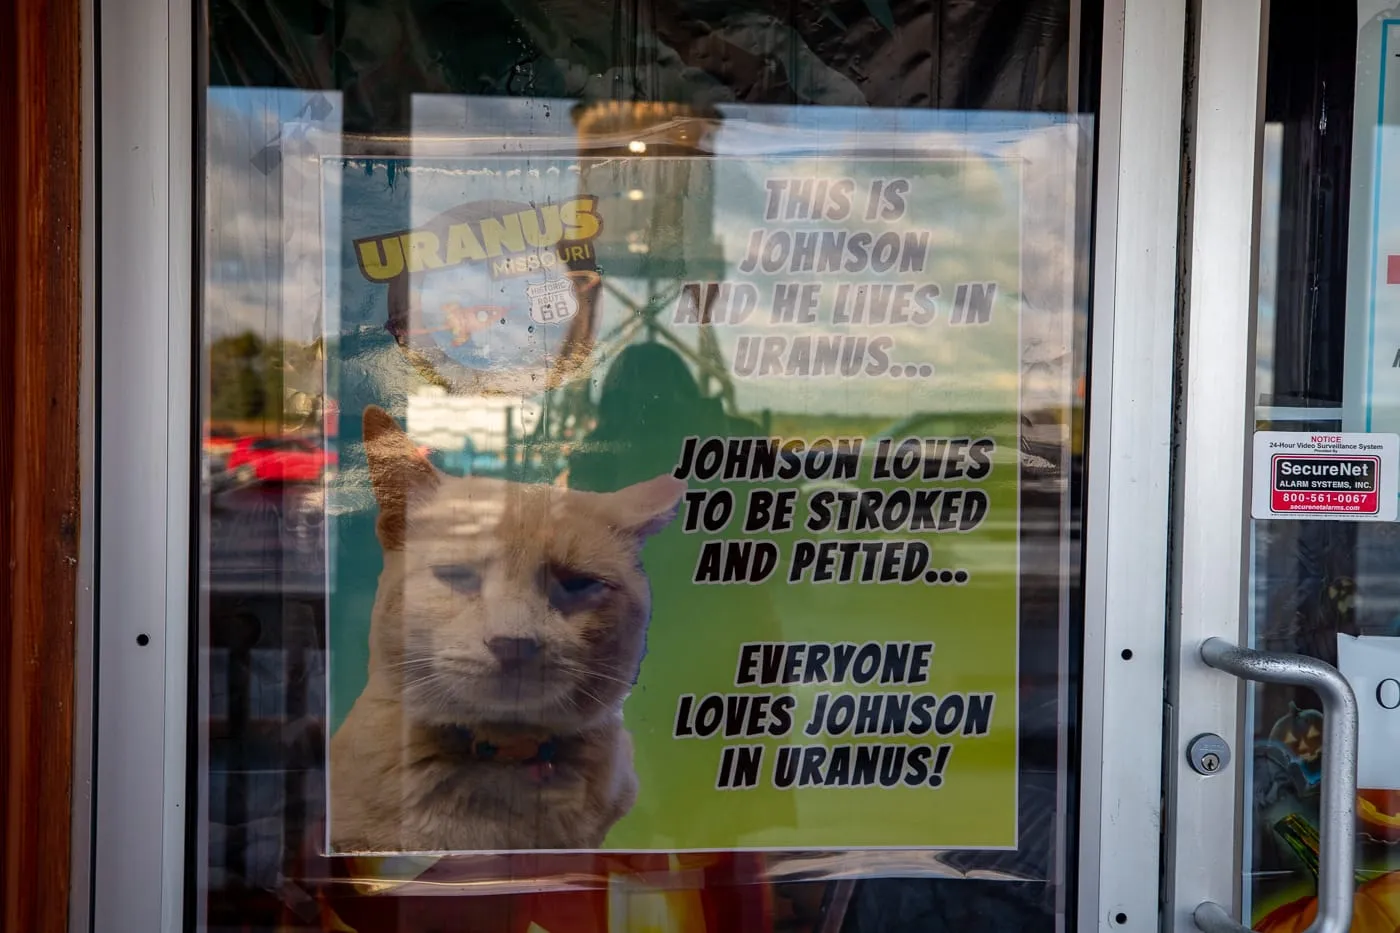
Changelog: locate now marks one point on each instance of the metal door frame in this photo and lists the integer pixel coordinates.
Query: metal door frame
(1204, 825)
(1132, 354)
(147, 184)
(145, 372)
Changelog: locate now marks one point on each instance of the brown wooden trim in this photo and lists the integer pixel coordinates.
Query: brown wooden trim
(40, 330)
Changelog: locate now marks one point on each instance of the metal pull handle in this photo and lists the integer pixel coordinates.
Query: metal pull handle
(1336, 876)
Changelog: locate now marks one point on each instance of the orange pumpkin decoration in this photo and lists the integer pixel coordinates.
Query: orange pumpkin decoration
(1377, 910)
(1379, 812)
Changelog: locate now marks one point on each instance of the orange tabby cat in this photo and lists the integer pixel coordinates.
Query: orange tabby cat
(509, 625)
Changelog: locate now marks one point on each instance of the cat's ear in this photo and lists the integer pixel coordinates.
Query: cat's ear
(398, 473)
(643, 509)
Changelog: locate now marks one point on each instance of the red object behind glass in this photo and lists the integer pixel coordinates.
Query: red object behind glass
(717, 892)
(279, 459)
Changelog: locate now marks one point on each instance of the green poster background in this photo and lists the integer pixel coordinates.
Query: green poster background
(695, 219)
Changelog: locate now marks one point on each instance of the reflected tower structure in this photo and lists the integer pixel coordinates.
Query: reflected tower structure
(654, 168)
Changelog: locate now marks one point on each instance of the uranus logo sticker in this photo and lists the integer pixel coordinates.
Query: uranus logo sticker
(512, 242)
(496, 294)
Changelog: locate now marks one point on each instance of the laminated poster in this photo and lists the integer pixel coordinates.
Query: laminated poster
(699, 527)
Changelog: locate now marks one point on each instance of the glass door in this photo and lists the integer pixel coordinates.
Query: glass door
(581, 467)
(1285, 789)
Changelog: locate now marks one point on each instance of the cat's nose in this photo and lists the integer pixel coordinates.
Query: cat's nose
(513, 652)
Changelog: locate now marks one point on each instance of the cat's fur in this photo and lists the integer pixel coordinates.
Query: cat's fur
(468, 562)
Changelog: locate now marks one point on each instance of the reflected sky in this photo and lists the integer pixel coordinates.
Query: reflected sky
(274, 221)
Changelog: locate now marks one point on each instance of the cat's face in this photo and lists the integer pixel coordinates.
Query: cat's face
(505, 602)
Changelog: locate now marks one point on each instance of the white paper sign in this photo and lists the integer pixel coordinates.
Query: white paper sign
(1372, 665)
(1315, 475)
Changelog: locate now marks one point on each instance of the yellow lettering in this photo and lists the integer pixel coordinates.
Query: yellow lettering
(422, 249)
(546, 234)
(381, 260)
(500, 267)
(503, 235)
(580, 220)
(462, 244)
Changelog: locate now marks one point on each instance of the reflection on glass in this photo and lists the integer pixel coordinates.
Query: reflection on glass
(1267, 308)
(1325, 588)
(640, 468)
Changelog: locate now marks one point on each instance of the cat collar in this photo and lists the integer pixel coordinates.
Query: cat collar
(535, 753)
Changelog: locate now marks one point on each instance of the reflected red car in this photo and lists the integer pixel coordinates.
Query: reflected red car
(279, 460)
(219, 442)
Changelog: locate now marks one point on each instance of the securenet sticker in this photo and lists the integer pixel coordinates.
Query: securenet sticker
(1331, 477)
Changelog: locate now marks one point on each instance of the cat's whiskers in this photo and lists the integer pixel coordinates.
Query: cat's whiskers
(587, 693)
(608, 677)
(418, 673)
(589, 673)
(431, 686)
(409, 663)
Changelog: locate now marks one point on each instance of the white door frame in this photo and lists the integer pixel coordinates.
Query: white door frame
(1132, 353)
(146, 438)
(146, 442)
(1203, 824)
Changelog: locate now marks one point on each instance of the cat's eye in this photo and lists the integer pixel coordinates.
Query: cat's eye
(569, 591)
(579, 585)
(461, 577)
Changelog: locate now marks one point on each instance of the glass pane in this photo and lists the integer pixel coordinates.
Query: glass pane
(642, 460)
(1324, 542)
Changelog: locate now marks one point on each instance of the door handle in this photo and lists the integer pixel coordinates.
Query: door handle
(1336, 875)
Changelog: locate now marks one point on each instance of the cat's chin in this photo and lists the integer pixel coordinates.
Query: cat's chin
(504, 701)
(557, 720)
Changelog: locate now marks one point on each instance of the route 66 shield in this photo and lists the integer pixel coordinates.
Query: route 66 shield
(552, 302)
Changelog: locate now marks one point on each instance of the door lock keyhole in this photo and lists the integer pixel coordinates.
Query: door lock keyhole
(1208, 754)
